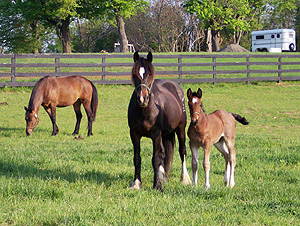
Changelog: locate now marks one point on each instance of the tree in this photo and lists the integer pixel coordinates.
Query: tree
(92, 35)
(116, 11)
(280, 14)
(19, 32)
(217, 15)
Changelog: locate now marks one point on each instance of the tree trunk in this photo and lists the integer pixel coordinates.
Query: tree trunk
(122, 34)
(208, 41)
(35, 34)
(63, 32)
(217, 40)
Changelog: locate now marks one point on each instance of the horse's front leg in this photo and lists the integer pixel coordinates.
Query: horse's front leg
(206, 164)
(158, 162)
(52, 114)
(195, 162)
(137, 182)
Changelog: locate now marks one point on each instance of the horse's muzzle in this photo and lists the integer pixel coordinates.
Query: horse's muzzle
(143, 101)
(29, 132)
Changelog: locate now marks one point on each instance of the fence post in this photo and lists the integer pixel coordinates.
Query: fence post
(103, 67)
(13, 70)
(248, 69)
(180, 69)
(214, 70)
(57, 67)
(279, 69)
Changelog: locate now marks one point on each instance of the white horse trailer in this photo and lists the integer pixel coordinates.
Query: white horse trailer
(273, 40)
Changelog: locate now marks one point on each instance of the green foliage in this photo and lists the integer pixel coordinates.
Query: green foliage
(58, 180)
(233, 14)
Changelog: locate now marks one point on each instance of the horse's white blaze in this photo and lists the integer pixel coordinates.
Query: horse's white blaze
(35, 115)
(161, 172)
(142, 72)
(194, 100)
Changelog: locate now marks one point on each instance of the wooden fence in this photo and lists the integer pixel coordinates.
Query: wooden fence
(26, 69)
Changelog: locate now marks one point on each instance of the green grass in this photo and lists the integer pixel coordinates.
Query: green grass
(58, 180)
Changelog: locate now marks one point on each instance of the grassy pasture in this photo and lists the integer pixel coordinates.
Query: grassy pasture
(58, 180)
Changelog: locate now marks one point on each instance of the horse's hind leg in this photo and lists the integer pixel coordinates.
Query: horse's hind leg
(185, 178)
(89, 113)
(232, 161)
(168, 143)
(52, 114)
(222, 147)
(77, 110)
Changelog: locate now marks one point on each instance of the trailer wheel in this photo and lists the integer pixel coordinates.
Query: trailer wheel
(292, 46)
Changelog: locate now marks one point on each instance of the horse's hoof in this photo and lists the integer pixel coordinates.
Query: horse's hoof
(206, 187)
(185, 180)
(158, 188)
(136, 185)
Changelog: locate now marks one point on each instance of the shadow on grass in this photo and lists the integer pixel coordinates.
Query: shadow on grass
(11, 131)
(13, 170)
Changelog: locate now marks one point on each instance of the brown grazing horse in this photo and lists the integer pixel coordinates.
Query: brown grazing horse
(217, 128)
(52, 92)
(156, 110)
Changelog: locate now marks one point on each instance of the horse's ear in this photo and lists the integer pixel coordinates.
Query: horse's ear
(26, 109)
(199, 93)
(149, 57)
(189, 93)
(136, 56)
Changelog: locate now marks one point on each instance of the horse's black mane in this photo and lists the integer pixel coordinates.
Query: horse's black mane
(33, 93)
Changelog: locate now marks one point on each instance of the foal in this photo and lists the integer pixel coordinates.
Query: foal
(217, 128)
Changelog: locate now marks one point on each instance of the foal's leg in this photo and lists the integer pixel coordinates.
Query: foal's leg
(77, 110)
(137, 182)
(88, 110)
(206, 164)
(180, 132)
(232, 161)
(222, 147)
(52, 114)
(195, 163)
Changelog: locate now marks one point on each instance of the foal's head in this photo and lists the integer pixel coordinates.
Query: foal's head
(142, 77)
(32, 120)
(195, 105)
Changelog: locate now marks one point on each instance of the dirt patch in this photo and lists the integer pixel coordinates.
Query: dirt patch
(233, 48)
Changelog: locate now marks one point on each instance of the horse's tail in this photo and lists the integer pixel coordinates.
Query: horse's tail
(240, 119)
(169, 143)
(94, 102)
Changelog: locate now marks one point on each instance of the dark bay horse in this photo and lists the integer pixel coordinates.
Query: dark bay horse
(217, 128)
(52, 92)
(157, 111)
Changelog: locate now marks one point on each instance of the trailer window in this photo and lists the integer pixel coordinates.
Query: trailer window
(291, 35)
(260, 37)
